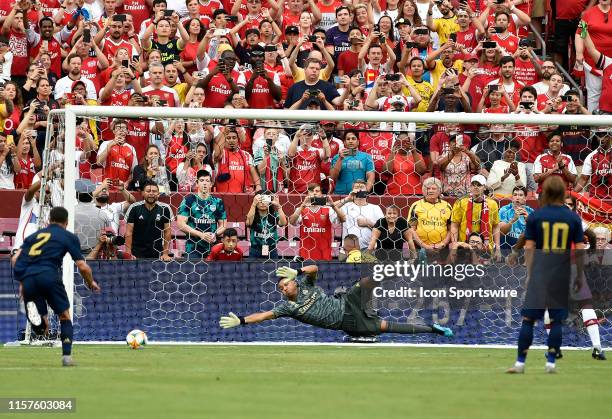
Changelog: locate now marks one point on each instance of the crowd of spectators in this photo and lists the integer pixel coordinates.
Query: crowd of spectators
(361, 55)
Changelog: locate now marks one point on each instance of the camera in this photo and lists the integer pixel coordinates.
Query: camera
(567, 98)
(314, 92)
(526, 105)
(266, 199)
(392, 77)
(498, 29)
(114, 240)
(312, 38)
(318, 200)
(231, 18)
(168, 12)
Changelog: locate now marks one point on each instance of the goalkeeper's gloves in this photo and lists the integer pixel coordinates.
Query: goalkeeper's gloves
(287, 273)
(231, 320)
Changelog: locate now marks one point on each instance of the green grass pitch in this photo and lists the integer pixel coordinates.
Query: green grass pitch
(316, 382)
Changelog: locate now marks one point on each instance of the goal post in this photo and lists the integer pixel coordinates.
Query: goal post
(179, 291)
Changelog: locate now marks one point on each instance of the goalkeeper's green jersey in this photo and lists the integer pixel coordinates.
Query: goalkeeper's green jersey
(313, 306)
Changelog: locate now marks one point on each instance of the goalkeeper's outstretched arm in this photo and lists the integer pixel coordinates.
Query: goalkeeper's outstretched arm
(232, 320)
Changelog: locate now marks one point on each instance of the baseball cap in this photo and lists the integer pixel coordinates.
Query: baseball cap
(402, 21)
(470, 57)
(76, 83)
(292, 29)
(479, 179)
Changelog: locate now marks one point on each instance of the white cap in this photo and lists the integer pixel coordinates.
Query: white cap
(480, 179)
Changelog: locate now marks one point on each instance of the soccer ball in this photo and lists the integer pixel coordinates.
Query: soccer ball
(136, 339)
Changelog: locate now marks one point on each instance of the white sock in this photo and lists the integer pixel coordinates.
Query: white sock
(519, 364)
(592, 326)
(550, 365)
(547, 325)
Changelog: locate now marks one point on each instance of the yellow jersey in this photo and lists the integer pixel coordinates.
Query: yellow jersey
(444, 26)
(425, 90)
(432, 220)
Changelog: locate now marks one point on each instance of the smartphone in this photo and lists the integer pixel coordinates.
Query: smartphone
(459, 140)
(269, 143)
(392, 77)
(361, 80)
(361, 194)
(411, 45)
(125, 63)
(242, 93)
(498, 29)
(567, 98)
(314, 92)
(489, 44)
(312, 38)
(353, 103)
(163, 102)
(220, 32)
(493, 87)
(136, 58)
(45, 44)
(69, 97)
(168, 12)
(119, 18)
(421, 31)
(199, 74)
(318, 200)
(231, 18)
(524, 43)
(86, 35)
(270, 48)
(453, 37)
(448, 90)
(376, 28)
(526, 105)
(337, 79)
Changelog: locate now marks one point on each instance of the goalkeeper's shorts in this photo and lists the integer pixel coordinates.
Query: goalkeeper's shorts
(357, 321)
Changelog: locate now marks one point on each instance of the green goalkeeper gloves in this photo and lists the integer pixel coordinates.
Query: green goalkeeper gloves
(287, 273)
(227, 322)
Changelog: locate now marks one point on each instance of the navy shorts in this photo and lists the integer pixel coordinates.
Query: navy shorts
(44, 289)
(556, 315)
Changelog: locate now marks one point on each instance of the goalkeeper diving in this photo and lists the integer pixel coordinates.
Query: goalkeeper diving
(307, 303)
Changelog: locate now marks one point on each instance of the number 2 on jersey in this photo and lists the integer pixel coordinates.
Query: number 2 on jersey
(42, 239)
(558, 239)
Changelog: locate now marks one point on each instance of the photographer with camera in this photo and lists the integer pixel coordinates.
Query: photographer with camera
(263, 219)
(360, 214)
(236, 170)
(9, 163)
(374, 47)
(394, 100)
(305, 159)
(315, 215)
(299, 95)
(107, 248)
(262, 89)
(405, 165)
